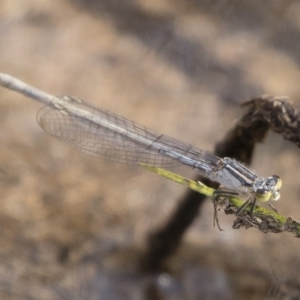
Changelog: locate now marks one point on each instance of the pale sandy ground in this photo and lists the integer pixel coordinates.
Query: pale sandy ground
(71, 225)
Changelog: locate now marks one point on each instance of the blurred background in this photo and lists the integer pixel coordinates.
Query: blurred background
(73, 226)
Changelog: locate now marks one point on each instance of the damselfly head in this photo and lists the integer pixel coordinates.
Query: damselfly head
(269, 189)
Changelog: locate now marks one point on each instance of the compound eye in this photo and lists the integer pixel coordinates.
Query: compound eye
(262, 194)
(277, 181)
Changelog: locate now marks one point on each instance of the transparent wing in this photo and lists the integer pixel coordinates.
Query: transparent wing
(102, 141)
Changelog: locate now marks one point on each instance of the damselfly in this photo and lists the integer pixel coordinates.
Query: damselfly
(101, 133)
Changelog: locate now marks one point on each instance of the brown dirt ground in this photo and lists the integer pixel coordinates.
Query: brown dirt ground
(71, 225)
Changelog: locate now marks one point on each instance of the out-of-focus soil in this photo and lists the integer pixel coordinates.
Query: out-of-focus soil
(72, 226)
